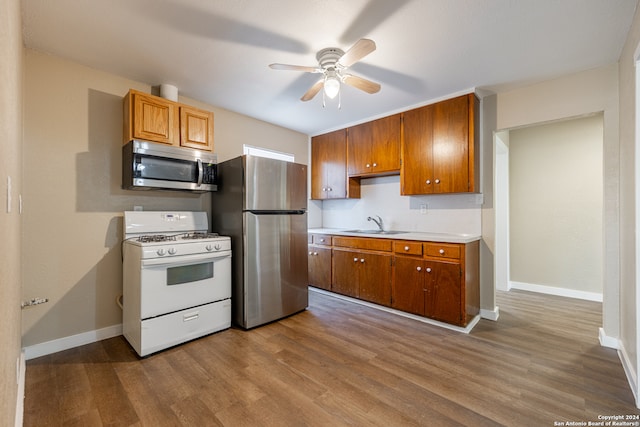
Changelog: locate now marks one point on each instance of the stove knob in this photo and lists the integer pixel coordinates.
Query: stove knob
(172, 251)
(218, 247)
(209, 248)
(160, 252)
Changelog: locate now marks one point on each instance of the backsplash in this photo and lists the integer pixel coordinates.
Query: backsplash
(450, 213)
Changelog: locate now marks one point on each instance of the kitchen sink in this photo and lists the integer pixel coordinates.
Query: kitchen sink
(375, 231)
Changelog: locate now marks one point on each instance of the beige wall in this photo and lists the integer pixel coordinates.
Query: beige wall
(575, 95)
(555, 181)
(628, 191)
(10, 166)
(72, 221)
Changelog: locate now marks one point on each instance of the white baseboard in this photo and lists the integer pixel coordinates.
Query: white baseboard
(54, 346)
(22, 371)
(490, 314)
(464, 330)
(607, 341)
(629, 372)
(552, 290)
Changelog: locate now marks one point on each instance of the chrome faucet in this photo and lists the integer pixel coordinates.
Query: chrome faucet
(377, 221)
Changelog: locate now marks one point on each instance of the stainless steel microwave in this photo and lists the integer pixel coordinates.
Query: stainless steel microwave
(153, 166)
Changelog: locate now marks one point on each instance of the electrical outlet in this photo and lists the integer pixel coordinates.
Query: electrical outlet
(423, 209)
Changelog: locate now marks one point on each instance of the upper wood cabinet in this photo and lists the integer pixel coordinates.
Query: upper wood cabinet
(374, 147)
(152, 118)
(196, 128)
(329, 168)
(439, 147)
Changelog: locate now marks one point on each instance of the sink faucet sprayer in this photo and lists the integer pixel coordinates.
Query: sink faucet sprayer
(377, 221)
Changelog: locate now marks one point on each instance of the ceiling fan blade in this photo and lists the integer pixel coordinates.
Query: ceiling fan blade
(360, 83)
(362, 48)
(295, 68)
(313, 90)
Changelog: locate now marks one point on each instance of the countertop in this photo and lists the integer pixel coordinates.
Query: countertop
(410, 235)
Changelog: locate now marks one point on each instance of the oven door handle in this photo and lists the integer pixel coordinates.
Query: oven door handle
(173, 261)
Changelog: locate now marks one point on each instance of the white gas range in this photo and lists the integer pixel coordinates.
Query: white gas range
(176, 279)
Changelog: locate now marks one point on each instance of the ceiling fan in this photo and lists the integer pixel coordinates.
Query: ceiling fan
(333, 62)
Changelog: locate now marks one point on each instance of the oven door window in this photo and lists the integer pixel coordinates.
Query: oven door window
(189, 273)
(153, 167)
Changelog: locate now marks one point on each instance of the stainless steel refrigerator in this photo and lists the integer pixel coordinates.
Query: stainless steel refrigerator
(261, 204)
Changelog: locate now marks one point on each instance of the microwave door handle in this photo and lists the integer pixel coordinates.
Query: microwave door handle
(200, 173)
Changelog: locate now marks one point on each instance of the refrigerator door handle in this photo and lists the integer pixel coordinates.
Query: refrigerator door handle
(270, 212)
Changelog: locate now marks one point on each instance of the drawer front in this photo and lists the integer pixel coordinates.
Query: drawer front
(321, 239)
(442, 250)
(165, 331)
(371, 244)
(408, 248)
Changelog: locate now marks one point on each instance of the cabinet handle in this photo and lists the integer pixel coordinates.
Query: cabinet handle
(406, 248)
(310, 253)
(419, 268)
(368, 165)
(355, 260)
(428, 181)
(428, 269)
(361, 259)
(330, 189)
(375, 164)
(441, 251)
(315, 253)
(437, 181)
(322, 240)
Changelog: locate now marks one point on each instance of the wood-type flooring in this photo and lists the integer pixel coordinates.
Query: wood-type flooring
(340, 363)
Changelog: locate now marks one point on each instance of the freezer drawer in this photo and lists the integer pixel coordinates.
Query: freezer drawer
(275, 267)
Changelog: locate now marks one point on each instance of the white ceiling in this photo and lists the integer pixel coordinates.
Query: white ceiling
(218, 51)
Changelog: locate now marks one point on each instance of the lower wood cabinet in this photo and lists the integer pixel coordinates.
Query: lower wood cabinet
(435, 280)
(410, 285)
(429, 288)
(320, 267)
(363, 275)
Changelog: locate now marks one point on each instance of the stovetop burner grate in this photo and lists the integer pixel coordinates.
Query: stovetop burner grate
(199, 235)
(156, 238)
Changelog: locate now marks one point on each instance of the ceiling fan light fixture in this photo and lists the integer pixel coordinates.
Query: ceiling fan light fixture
(331, 84)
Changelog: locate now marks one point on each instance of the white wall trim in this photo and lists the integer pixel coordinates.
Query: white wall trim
(65, 343)
(22, 370)
(490, 314)
(607, 341)
(629, 372)
(552, 290)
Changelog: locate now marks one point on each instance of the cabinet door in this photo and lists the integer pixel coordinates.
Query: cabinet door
(320, 267)
(155, 119)
(443, 298)
(374, 147)
(375, 278)
(408, 292)
(359, 149)
(345, 271)
(451, 145)
(416, 174)
(328, 166)
(196, 128)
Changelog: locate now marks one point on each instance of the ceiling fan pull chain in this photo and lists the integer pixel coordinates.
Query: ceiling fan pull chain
(339, 100)
(323, 100)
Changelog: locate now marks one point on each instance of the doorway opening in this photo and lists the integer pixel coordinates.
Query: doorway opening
(549, 208)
